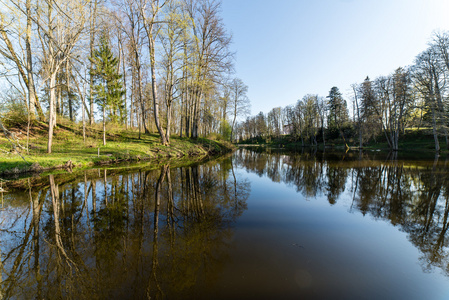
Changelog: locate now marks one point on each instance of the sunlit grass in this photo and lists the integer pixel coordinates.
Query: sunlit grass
(122, 145)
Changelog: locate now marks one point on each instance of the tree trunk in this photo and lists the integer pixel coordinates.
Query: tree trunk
(151, 48)
(15, 59)
(196, 112)
(358, 117)
(140, 90)
(84, 123)
(69, 98)
(124, 86)
(322, 131)
(132, 105)
(31, 91)
(396, 140)
(169, 113)
(51, 111)
(104, 124)
(434, 127)
(93, 16)
(441, 109)
(233, 124)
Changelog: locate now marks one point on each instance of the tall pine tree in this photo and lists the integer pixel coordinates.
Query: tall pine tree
(338, 110)
(108, 86)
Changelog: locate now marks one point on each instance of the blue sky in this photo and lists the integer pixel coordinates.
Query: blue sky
(286, 49)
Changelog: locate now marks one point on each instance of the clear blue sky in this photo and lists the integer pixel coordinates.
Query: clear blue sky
(289, 48)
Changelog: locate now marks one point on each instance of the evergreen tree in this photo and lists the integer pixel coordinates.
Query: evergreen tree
(370, 110)
(108, 86)
(338, 111)
(368, 100)
(338, 114)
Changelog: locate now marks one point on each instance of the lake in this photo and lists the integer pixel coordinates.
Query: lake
(252, 225)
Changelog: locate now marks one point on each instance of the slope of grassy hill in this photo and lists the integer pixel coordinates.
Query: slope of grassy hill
(71, 150)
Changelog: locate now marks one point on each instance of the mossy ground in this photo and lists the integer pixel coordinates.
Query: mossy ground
(121, 145)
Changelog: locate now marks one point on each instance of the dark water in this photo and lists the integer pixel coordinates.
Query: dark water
(248, 226)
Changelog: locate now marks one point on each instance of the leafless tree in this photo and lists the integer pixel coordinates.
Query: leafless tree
(58, 32)
(239, 101)
(427, 75)
(12, 51)
(150, 11)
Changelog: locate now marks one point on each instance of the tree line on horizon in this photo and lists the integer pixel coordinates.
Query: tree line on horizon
(156, 66)
(416, 96)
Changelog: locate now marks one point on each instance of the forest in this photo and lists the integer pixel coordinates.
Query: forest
(410, 99)
(166, 67)
(155, 66)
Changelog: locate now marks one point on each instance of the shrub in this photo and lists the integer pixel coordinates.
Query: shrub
(13, 110)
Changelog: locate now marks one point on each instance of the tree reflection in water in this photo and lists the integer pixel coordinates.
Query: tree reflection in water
(168, 233)
(147, 234)
(411, 194)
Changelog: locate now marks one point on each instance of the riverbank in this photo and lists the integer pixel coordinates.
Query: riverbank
(71, 150)
(421, 140)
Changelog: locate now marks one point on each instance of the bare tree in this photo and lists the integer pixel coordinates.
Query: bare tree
(424, 75)
(93, 12)
(311, 118)
(394, 94)
(20, 57)
(150, 10)
(211, 55)
(322, 108)
(240, 104)
(359, 116)
(131, 21)
(171, 37)
(58, 33)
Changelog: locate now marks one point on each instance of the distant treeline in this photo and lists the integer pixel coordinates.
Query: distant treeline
(411, 97)
(159, 66)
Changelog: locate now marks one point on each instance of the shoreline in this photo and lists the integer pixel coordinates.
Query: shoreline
(118, 153)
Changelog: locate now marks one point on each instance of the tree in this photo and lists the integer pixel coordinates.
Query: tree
(240, 105)
(59, 34)
(311, 118)
(440, 49)
(19, 56)
(441, 46)
(131, 22)
(108, 87)
(427, 73)
(149, 14)
(321, 109)
(338, 111)
(261, 124)
(210, 53)
(274, 121)
(171, 39)
(394, 96)
(359, 115)
(369, 107)
(93, 8)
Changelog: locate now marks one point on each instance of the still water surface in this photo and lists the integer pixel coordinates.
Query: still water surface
(247, 226)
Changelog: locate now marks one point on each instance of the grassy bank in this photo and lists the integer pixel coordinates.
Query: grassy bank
(413, 139)
(71, 150)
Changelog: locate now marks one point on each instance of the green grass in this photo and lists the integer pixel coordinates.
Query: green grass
(122, 145)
